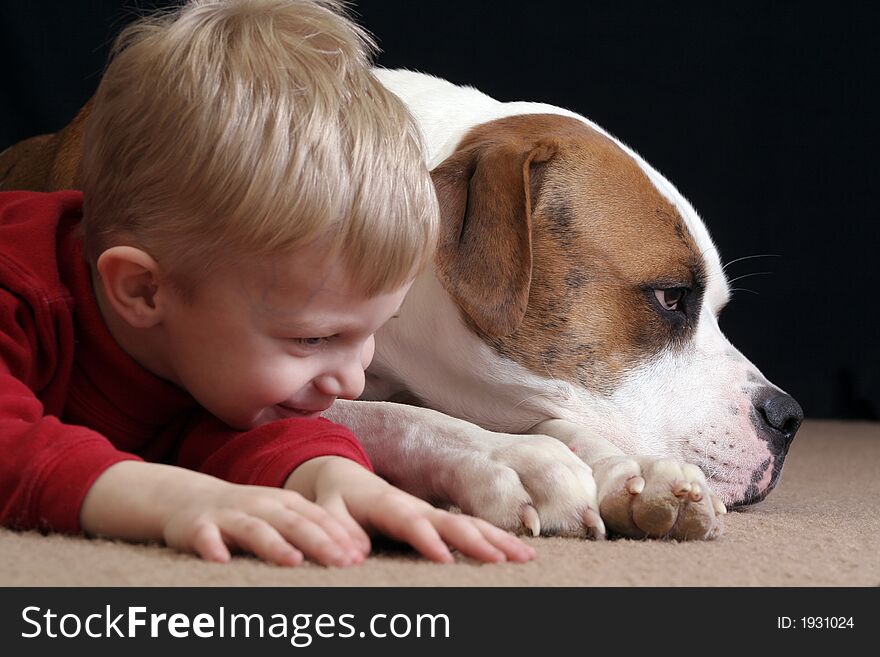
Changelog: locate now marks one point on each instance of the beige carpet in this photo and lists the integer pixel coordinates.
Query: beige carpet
(820, 527)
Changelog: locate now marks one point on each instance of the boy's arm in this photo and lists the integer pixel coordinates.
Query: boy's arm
(266, 455)
(195, 512)
(134, 500)
(47, 466)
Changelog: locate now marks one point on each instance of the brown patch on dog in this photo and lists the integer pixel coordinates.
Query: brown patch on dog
(48, 162)
(485, 196)
(579, 231)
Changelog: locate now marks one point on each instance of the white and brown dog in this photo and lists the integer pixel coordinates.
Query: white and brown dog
(575, 295)
(563, 359)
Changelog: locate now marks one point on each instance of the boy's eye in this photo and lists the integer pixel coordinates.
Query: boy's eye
(311, 342)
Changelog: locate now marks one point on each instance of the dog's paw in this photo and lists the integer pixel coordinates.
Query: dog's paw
(528, 484)
(649, 497)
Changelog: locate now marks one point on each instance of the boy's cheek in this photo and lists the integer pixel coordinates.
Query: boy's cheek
(368, 351)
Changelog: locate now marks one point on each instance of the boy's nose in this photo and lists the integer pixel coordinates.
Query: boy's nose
(345, 382)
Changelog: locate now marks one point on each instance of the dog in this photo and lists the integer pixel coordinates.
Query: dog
(560, 369)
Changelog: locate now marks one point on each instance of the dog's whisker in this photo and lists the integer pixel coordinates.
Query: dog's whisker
(707, 249)
(530, 397)
(547, 367)
(749, 257)
(742, 289)
(754, 273)
(561, 388)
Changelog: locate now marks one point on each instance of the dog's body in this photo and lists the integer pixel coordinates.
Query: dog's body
(574, 295)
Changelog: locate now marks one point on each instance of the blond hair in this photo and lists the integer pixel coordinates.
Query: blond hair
(230, 129)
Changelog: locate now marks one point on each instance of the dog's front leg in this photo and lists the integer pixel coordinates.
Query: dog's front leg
(520, 483)
(643, 496)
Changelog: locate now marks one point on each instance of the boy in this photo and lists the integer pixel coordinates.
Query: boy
(254, 208)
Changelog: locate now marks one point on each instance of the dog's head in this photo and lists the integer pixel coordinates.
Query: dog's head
(596, 289)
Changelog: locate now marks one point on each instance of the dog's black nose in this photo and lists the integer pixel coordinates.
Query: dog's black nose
(781, 414)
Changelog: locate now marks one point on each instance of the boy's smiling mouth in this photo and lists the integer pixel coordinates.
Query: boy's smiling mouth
(292, 411)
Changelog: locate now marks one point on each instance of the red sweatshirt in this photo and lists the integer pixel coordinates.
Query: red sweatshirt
(73, 403)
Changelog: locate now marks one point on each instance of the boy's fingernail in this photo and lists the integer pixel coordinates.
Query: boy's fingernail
(292, 557)
(339, 557)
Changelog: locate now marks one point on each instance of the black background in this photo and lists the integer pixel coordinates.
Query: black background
(763, 114)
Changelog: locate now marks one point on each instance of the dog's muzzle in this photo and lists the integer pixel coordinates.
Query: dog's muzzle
(776, 417)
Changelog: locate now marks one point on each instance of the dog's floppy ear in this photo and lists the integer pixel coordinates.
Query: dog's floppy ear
(48, 162)
(484, 256)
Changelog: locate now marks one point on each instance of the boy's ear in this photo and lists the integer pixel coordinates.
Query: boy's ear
(130, 280)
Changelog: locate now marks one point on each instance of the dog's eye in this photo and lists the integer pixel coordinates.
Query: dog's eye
(671, 298)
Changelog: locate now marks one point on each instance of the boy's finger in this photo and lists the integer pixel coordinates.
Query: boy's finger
(258, 537)
(316, 543)
(207, 542)
(337, 508)
(514, 548)
(415, 529)
(332, 524)
(461, 532)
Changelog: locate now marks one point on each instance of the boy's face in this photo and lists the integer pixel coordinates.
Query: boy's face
(283, 338)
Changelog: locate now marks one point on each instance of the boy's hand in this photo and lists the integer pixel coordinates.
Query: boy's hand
(358, 498)
(277, 525)
(195, 512)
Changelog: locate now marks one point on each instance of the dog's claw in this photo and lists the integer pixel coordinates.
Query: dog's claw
(720, 509)
(681, 488)
(530, 519)
(635, 485)
(593, 520)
